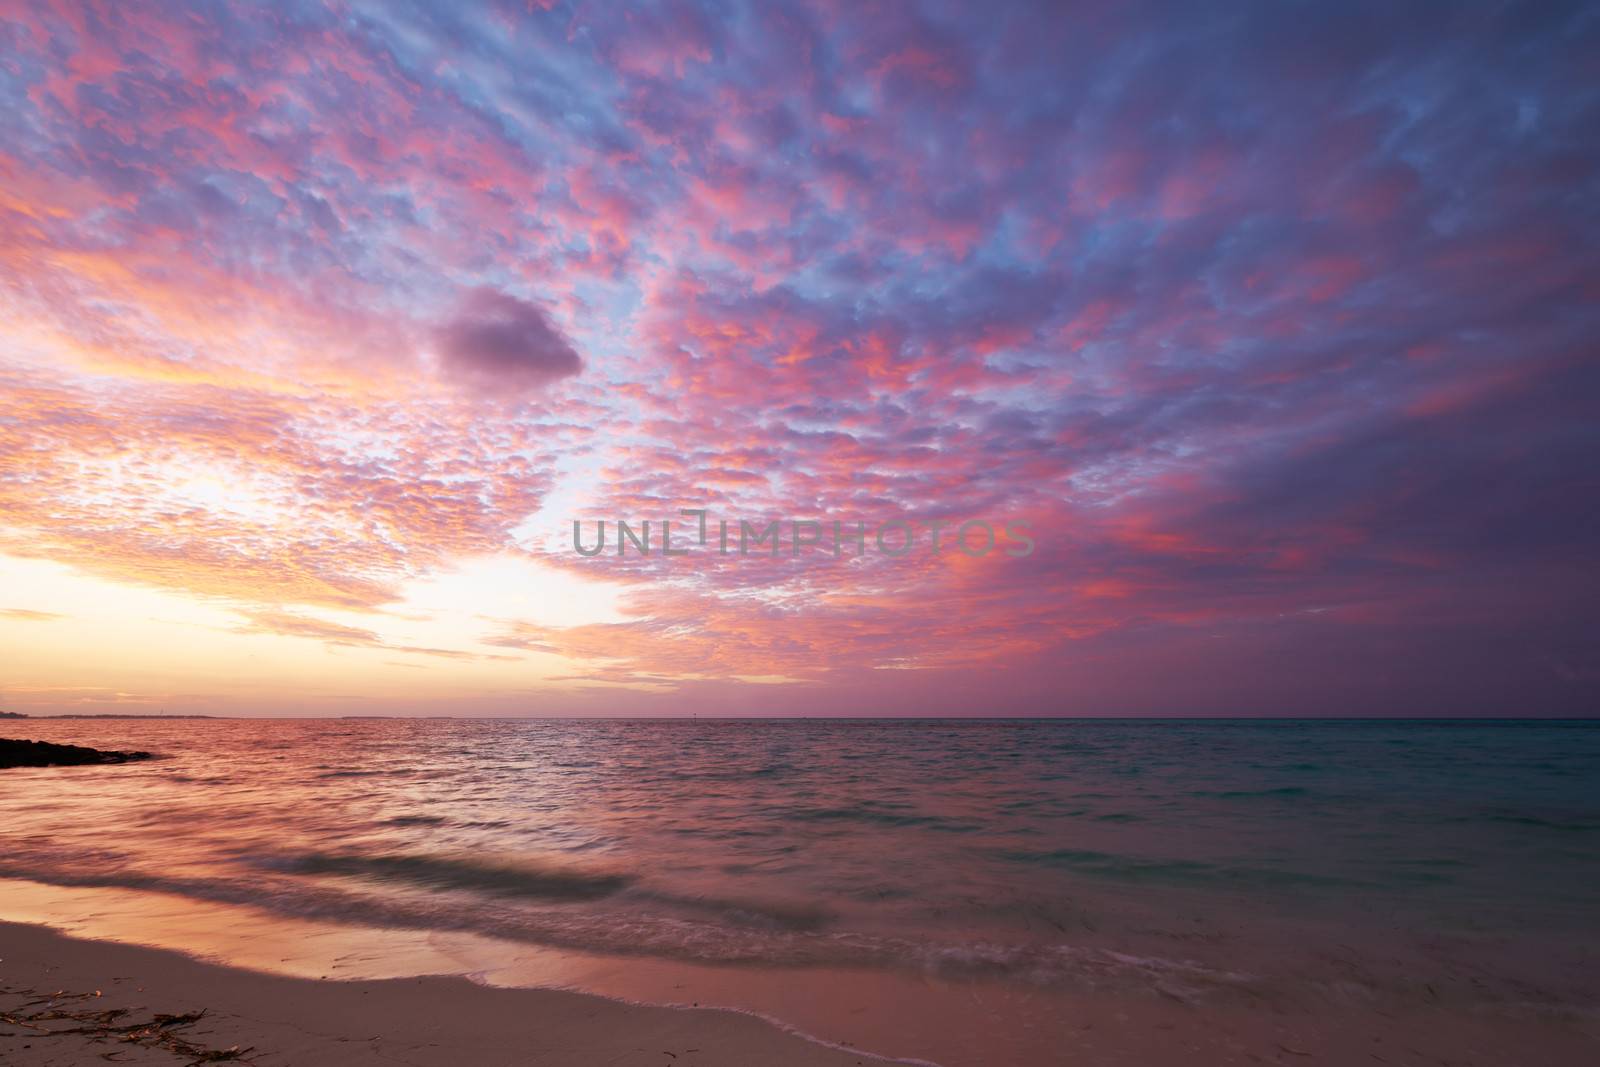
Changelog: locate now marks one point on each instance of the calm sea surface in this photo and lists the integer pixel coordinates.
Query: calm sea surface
(1180, 854)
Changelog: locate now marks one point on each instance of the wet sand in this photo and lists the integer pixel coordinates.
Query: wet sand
(60, 998)
(130, 1004)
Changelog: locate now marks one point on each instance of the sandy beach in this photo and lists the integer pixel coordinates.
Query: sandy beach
(67, 1001)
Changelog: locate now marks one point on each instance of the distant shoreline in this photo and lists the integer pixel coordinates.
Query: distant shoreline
(124, 715)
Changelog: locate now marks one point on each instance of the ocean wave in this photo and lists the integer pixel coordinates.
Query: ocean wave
(879, 817)
(1252, 794)
(526, 879)
(1170, 871)
(1542, 822)
(774, 915)
(660, 934)
(544, 880)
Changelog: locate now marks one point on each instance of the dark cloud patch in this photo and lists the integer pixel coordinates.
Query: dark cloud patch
(498, 341)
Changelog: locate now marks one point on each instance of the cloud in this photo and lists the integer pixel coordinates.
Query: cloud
(287, 624)
(497, 341)
(284, 624)
(1278, 330)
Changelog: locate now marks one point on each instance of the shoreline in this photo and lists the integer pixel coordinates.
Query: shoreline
(383, 997)
(1241, 910)
(247, 1016)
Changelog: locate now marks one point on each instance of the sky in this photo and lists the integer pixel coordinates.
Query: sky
(1273, 324)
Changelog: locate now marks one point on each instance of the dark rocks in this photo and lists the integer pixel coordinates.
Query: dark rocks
(14, 753)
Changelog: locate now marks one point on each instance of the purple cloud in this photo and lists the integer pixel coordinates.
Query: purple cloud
(501, 342)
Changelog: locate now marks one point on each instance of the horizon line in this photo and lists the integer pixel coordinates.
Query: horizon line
(1446, 717)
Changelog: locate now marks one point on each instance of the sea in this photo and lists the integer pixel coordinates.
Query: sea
(1263, 860)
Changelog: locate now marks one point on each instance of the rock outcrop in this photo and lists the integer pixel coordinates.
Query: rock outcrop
(16, 753)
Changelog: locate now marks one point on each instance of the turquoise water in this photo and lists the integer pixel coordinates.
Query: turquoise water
(1047, 853)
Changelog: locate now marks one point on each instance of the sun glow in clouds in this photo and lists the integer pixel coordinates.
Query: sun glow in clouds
(511, 587)
(317, 362)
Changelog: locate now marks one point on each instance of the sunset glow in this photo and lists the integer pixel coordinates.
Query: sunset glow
(323, 325)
